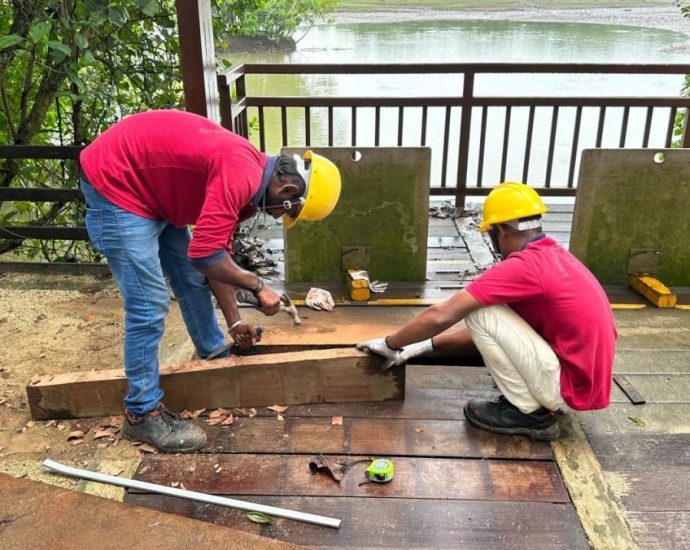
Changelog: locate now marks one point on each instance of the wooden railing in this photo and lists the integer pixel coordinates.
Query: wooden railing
(469, 129)
(464, 152)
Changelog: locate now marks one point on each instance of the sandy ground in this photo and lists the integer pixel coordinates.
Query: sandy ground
(70, 324)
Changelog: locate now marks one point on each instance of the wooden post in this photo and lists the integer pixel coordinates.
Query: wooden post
(198, 58)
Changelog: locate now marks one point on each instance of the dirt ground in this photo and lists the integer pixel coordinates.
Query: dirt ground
(63, 324)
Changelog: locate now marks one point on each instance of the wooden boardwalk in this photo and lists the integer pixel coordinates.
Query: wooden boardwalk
(455, 487)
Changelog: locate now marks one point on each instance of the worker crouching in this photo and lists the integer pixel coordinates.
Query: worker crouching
(539, 318)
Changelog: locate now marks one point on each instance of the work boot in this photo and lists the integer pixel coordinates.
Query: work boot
(165, 430)
(502, 417)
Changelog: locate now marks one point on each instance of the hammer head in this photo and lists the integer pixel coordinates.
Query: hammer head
(289, 308)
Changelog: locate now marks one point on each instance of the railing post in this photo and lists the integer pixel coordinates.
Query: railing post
(225, 102)
(242, 126)
(464, 149)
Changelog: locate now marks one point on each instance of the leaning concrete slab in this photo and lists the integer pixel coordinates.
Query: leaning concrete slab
(380, 223)
(631, 214)
(301, 377)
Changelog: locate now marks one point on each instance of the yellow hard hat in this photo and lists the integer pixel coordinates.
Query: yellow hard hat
(509, 201)
(322, 192)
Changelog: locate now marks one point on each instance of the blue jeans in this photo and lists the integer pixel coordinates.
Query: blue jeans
(141, 253)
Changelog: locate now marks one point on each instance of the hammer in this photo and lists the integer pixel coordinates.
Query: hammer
(286, 304)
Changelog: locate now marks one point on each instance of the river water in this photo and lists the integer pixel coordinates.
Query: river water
(445, 41)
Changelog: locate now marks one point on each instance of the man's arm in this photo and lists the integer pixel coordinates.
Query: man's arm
(229, 273)
(434, 320)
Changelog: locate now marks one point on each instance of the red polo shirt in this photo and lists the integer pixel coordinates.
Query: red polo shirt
(179, 167)
(563, 302)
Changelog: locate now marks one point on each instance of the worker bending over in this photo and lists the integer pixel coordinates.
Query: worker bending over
(145, 180)
(539, 318)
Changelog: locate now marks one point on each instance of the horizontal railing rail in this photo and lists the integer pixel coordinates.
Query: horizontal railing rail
(461, 140)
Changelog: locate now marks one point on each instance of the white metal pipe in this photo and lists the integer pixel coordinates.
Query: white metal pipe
(191, 495)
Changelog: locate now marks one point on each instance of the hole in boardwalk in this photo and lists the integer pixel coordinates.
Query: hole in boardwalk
(356, 156)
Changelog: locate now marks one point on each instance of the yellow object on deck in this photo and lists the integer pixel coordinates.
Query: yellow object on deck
(357, 288)
(653, 290)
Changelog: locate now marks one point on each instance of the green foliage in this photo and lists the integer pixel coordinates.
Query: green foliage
(68, 70)
(274, 20)
(682, 115)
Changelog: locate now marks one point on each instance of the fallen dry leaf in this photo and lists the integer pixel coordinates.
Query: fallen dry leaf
(101, 445)
(111, 470)
(145, 468)
(49, 423)
(278, 408)
(76, 434)
(228, 421)
(252, 412)
(103, 433)
(60, 426)
(418, 429)
(116, 422)
(30, 424)
(89, 318)
(215, 421)
(337, 421)
(76, 441)
(280, 417)
(175, 484)
(35, 379)
(146, 448)
(218, 412)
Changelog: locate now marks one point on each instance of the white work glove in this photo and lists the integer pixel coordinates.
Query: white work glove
(319, 299)
(379, 347)
(393, 356)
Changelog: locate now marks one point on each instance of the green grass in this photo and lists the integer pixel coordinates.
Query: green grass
(383, 5)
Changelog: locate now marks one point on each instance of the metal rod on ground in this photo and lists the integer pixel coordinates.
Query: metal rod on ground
(191, 495)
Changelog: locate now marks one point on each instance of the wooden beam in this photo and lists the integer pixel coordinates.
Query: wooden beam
(198, 59)
(320, 376)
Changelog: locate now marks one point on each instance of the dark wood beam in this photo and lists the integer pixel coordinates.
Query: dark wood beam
(198, 58)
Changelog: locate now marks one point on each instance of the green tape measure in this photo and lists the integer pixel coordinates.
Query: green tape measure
(380, 471)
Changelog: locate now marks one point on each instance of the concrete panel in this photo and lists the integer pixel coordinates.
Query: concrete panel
(383, 206)
(627, 201)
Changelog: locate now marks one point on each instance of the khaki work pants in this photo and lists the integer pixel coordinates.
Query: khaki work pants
(522, 364)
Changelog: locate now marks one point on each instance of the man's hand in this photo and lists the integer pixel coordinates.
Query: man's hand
(245, 335)
(379, 346)
(396, 357)
(269, 301)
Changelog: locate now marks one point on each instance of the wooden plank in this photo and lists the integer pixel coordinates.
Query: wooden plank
(628, 389)
(654, 491)
(41, 516)
(646, 452)
(321, 376)
(370, 436)
(480, 251)
(428, 478)
(429, 404)
(44, 232)
(402, 523)
(661, 530)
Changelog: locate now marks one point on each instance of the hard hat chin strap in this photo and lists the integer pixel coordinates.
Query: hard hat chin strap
(286, 205)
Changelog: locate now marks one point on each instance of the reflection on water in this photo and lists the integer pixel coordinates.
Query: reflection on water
(473, 41)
